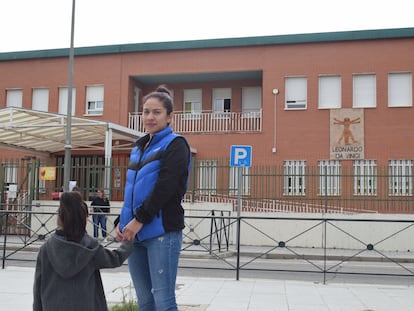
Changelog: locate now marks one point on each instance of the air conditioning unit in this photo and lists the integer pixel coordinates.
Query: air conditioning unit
(296, 104)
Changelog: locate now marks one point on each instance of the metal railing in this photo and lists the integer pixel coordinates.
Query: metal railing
(266, 188)
(207, 122)
(225, 240)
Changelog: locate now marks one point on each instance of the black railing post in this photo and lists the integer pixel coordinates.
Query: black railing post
(238, 248)
(324, 223)
(211, 231)
(5, 241)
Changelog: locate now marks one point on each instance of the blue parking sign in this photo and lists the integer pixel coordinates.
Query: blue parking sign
(241, 156)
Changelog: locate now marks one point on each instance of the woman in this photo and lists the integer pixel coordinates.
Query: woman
(152, 215)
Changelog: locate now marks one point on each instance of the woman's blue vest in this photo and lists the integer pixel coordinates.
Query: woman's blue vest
(141, 177)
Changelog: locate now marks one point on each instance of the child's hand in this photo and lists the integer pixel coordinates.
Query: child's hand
(131, 229)
(119, 236)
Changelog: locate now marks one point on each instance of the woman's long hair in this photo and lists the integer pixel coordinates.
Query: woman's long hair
(72, 214)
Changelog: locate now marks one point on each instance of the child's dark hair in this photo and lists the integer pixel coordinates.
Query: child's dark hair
(163, 95)
(73, 212)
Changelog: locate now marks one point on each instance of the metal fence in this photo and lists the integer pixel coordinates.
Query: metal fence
(294, 187)
(222, 238)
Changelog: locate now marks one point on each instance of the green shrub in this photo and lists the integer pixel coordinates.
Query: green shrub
(128, 303)
(128, 306)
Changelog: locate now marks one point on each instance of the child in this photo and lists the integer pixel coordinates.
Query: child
(67, 275)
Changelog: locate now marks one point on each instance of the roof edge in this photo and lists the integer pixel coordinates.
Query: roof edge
(374, 34)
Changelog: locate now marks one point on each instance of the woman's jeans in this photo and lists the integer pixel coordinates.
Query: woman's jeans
(99, 220)
(153, 267)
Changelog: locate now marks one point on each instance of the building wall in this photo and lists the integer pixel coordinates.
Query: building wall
(300, 134)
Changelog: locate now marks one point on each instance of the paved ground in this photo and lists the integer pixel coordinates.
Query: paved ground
(217, 294)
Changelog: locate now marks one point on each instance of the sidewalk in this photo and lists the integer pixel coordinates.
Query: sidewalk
(216, 294)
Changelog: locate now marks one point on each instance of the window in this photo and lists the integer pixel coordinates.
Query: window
(365, 177)
(400, 177)
(14, 98)
(400, 90)
(364, 91)
(207, 176)
(330, 92)
(234, 180)
(63, 100)
(221, 102)
(40, 99)
(329, 177)
(296, 92)
(95, 99)
(294, 177)
(251, 101)
(192, 103)
(10, 171)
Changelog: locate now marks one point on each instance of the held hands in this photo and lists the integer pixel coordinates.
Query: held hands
(129, 232)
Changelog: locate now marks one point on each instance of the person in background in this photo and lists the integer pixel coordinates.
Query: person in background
(100, 208)
(152, 215)
(67, 275)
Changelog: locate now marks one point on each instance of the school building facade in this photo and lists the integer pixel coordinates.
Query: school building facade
(315, 107)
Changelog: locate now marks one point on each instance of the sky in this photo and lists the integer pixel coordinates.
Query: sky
(27, 25)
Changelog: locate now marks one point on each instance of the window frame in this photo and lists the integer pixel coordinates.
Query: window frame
(400, 87)
(192, 104)
(296, 94)
(365, 178)
(95, 99)
(364, 90)
(13, 96)
(63, 100)
(40, 99)
(294, 178)
(400, 174)
(330, 90)
(329, 177)
(221, 103)
(234, 180)
(251, 101)
(207, 176)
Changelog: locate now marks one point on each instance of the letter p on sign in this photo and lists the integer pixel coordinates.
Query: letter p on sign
(241, 156)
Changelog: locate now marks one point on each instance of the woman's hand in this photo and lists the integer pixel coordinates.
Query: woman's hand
(131, 229)
(119, 236)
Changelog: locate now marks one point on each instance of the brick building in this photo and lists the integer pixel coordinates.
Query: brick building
(326, 100)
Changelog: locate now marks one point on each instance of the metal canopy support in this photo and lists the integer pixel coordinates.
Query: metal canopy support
(108, 158)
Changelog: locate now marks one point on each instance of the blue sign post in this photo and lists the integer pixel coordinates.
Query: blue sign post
(241, 156)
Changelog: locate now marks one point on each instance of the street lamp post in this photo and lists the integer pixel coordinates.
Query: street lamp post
(275, 92)
(68, 144)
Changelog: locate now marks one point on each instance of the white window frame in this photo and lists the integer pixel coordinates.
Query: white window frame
(10, 173)
(40, 99)
(207, 176)
(329, 177)
(330, 92)
(400, 89)
(221, 102)
(296, 93)
(63, 100)
(251, 101)
(192, 106)
(294, 178)
(365, 177)
(234, 180)
(364, 90)
(14, 98)
(94, 99)
(400, 177)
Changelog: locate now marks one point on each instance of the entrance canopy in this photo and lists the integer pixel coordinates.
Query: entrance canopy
(43, 132)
